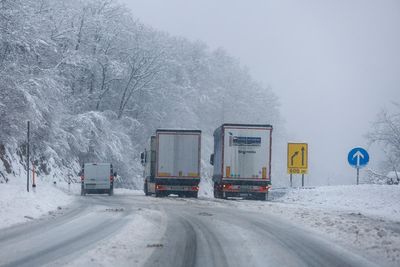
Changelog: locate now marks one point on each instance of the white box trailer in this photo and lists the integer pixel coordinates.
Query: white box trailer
(172, 163)
(97, 178)
(242, 160)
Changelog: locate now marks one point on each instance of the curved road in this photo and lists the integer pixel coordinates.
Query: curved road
(198, 233)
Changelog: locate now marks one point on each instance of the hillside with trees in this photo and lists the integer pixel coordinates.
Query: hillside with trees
(95, 83)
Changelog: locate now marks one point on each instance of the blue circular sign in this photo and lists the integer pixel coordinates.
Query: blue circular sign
(358, 157)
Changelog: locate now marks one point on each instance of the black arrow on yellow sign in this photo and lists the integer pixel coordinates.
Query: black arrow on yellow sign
(302, 156)
(293, 156)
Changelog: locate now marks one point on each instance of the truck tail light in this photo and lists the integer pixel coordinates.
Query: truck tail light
(111, 178)
(264, 188)
(82, 178)
(264, 172)
(228, 171)
(160, 187)
(227, 186)
(195, 188)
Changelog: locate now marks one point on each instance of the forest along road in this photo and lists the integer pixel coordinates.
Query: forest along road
(199, 232)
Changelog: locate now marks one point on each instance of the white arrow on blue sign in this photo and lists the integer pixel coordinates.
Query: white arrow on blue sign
(358, 157)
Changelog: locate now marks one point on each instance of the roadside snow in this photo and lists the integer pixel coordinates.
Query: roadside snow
(380, 201)
(19, 206)
(365, 218)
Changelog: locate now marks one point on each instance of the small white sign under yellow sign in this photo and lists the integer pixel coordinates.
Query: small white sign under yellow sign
(297, 158)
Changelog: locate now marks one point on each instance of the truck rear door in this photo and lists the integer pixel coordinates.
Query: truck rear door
(178, 155)
(246, 153)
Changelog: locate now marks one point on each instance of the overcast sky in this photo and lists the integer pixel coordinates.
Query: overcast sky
(333, 64)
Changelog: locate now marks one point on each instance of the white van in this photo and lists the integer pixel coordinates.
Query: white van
(97, 178)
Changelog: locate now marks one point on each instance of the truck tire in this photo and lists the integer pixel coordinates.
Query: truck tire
(111, 192)
(194, 194)
(217, 193)
(145, 189)
(83, 191)
(260, 196)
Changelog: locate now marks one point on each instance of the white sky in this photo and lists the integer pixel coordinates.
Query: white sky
(334, 64)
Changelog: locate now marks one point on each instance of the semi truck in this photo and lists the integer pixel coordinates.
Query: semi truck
(242, 161)
(172, 163)
(97, 178)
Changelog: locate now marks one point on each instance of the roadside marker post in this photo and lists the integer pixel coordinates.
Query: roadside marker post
(358, 158)
(27, 159)
(297, 160)
(33, 175)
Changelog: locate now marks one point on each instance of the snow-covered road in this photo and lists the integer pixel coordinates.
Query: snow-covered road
(134, 230)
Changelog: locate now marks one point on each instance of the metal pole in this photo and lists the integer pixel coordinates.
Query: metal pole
(291, 181)
(358, 174)
(27, 160)
(302, 180)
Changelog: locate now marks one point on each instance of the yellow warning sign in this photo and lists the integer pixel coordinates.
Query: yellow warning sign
(297, 158)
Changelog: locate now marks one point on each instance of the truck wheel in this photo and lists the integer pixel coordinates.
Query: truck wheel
(83, 191)
(146, 190)
(159, 194)
(217, 193)
(261, 196)
(194, 194)
(111, 192)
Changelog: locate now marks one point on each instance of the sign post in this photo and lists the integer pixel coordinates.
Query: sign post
(358, 158)
(297, 160)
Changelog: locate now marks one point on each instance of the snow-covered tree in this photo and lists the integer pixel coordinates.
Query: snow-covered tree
(95, 84)
(386, 133)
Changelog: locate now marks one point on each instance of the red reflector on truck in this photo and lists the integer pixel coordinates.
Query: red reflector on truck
(195, 188)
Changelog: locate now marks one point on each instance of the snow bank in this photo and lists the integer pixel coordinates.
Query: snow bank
(365, 218)
(18, 206)
(372, 200)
